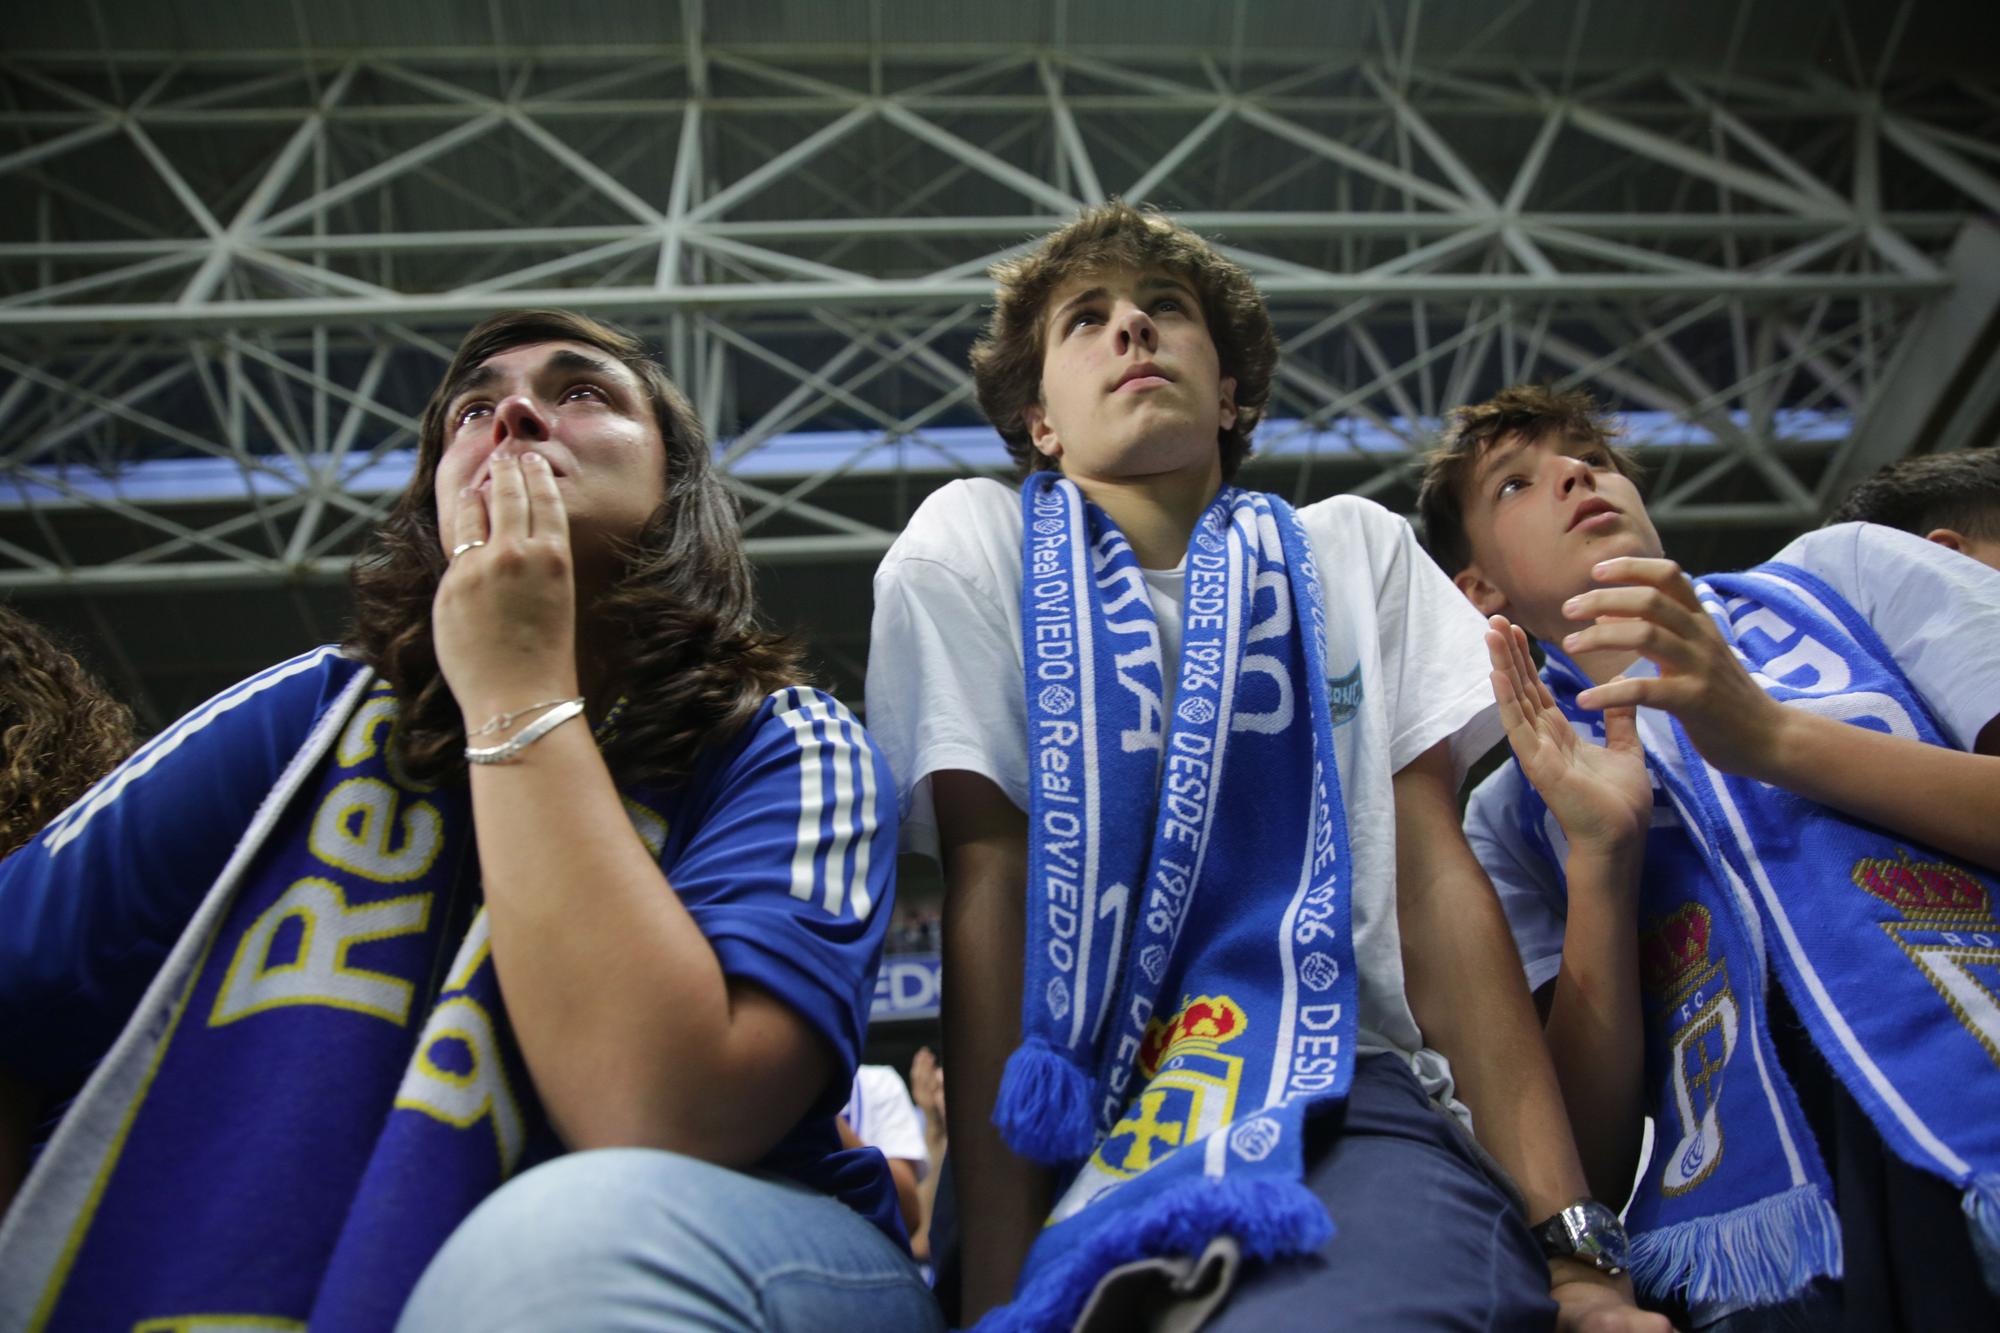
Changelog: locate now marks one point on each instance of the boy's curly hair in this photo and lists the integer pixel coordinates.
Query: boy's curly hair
(1528, 410)
(1007, 359)
(60, 730)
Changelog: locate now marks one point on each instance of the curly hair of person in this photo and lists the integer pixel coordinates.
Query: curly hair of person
(1531, 411)
(60, 730)
(1007, 358)
(696, 658)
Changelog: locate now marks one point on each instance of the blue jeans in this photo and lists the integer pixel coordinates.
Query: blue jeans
(633, 1239)
(1428, 1237)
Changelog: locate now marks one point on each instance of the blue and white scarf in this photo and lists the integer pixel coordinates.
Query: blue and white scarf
(1889, 951)
(1735, 1205)
(1190, 991)
(282, 1135)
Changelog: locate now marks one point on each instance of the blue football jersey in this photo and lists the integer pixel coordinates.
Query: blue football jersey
(781, 845)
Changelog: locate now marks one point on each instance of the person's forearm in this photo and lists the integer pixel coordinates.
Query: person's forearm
(927, 1188)
(621, 1008)
(1470, 997)
(1471, 1002)
(18, 1104)
(1002, 1198)
(1594, 1029)
(1945, 798)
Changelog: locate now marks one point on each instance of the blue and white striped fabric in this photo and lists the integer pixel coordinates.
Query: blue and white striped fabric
(839, 803)
(1190, 989)
(319, 1081)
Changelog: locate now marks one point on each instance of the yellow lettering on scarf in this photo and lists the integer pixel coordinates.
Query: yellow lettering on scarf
(465, 1085)
(357, 829)
(318, 972)
(476, 948)
(359, 741)
(372, 732)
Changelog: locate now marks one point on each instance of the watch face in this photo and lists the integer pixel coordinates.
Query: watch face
(1596, 1235)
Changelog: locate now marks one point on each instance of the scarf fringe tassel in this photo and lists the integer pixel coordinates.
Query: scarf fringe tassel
(1043, 1110)
(1982, 1207)
(1268, 1219)
(1765, 1252)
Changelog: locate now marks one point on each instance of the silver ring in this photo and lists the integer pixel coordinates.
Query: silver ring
(463, 547)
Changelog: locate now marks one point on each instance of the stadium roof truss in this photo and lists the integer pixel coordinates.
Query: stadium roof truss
(229, 280)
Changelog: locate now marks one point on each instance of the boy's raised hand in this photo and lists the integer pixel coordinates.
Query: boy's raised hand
(1648, 607)
(1601, 794)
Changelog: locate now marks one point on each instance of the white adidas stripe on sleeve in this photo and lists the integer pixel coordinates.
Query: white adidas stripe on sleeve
(69, 825)
(841, 749)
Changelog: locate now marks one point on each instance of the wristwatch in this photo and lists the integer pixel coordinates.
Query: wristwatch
(1589, 1232)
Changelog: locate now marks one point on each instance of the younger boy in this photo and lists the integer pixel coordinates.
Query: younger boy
(1951, 499)
(1655, 865)
(1206, 801)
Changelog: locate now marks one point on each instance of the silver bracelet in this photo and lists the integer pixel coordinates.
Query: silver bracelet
(509, 750)
(501, 721)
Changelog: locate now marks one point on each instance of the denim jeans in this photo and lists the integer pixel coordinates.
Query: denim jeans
(1429, 1236)
(631, 1239)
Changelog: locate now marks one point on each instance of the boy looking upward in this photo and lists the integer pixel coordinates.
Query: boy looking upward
(1190, 762)
(1690, 811)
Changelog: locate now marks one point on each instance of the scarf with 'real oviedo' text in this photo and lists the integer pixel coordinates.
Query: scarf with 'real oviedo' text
(325, 1196)
(1889, 952)
(1189, 997)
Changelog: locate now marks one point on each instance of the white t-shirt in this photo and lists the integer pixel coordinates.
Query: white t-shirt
(1937, 611)
(882, 1116)
(1405, 654)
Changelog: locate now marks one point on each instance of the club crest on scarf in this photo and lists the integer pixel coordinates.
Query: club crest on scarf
(1948, 931)
(1679, 976)
(1139, 886)
(1190, 1084)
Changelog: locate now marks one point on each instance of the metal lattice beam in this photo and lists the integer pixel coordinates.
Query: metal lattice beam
(231, 281)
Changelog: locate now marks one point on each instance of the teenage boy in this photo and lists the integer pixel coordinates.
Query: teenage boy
(1951, 499)
(1207, 899)
(1689, 811)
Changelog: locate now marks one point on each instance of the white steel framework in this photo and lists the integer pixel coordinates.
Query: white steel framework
(228, 280)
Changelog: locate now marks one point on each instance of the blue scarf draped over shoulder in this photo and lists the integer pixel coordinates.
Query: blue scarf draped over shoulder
(212, 1169)
(1190, 994)
(1888, 950)
(321, 1081)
